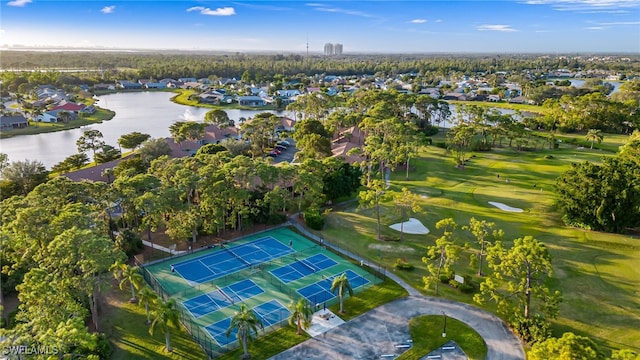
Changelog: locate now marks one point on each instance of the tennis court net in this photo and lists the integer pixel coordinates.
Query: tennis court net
(308, 265)
(229, 299)
(237, 257)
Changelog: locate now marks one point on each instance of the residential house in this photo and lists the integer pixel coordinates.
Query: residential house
(128, 85)
(211, 97)
(174, 84)
(348, 139)
(312, 90)
(286, 94)
(88, 110)
(205, 81)
(95, 173)
(494, 98)
(519, 100)
(286, 124)
(251, 101)
(226, 81)
(143, 82)
(104, 87)
(431, 92)
(214, 134)
(68, 106)
(167, 80)
(455, 96)
(8, 122)
(192, 85)
(48, 117)
(187, 80)
(155, 85)
(71, 115)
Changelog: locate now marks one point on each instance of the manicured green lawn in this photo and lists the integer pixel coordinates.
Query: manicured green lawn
(426, 332)
(594, 271)
(124, 325)
(183, 98)
(40, 127)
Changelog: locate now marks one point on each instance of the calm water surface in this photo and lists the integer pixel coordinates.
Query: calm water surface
(147, 112)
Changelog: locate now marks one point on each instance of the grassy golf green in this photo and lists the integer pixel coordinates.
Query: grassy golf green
(597, 273)
(426, 332)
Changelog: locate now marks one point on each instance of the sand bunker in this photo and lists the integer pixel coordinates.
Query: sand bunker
(413, 226)
(504, 207)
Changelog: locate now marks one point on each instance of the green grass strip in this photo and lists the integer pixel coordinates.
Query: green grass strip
(426, 332)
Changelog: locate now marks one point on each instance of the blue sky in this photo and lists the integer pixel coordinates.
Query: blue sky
(420, 26)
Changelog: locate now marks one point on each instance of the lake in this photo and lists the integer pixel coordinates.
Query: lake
(147, 112)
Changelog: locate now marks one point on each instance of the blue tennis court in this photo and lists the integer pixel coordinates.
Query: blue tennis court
(223, 297)
(319, 292)
(230, 259)
(271, 312)
(303, 267)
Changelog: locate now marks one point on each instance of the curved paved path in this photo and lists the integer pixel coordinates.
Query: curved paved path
(376, 332)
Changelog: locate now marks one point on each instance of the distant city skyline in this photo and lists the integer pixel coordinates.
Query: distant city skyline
(503, 26)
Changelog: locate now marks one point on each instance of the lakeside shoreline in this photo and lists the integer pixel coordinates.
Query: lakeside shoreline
(36, 128)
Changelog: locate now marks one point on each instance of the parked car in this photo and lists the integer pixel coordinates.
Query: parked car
(281, 148)
(272, 154)
(284, 143)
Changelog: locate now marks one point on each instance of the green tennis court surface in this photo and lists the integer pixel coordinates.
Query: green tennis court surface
(266, 271)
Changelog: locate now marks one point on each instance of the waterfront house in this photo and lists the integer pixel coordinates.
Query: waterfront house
(251, 101)
(48, 117)
(8, 122)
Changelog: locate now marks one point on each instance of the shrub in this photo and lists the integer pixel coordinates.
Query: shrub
(441, 144)
(532, 330)
(402, 264)
(313, 218)
(548, 157)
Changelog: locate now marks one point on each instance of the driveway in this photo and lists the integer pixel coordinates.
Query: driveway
(288, 154)
(377, 332)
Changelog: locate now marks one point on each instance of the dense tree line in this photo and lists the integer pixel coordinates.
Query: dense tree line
(265, 67)
(603, 196)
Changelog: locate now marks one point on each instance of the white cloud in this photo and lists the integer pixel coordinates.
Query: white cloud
(439, 20)
(108, 9)
(503, 28)
(323, 7)
(621, 23)
(586, 5)
(596, 28)
(418, 21)
(18, 3)
(225, 11)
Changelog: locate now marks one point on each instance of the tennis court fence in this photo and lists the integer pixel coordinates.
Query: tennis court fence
(211, 347)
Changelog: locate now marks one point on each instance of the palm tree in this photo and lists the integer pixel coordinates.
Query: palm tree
(165, 315)
(146, 296)
(246, 323)
(341, 283)
(594, 135)
(127, 274)
(301, 314)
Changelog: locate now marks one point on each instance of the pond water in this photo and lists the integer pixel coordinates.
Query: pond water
(147, 112)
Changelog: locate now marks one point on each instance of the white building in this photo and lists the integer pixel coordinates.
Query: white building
(328, 49)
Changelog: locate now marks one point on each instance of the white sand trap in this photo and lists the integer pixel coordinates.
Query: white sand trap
(323, 321)
(504, 207)
(413, 226)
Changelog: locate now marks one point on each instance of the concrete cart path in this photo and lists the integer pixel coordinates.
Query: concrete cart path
(377, 332)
